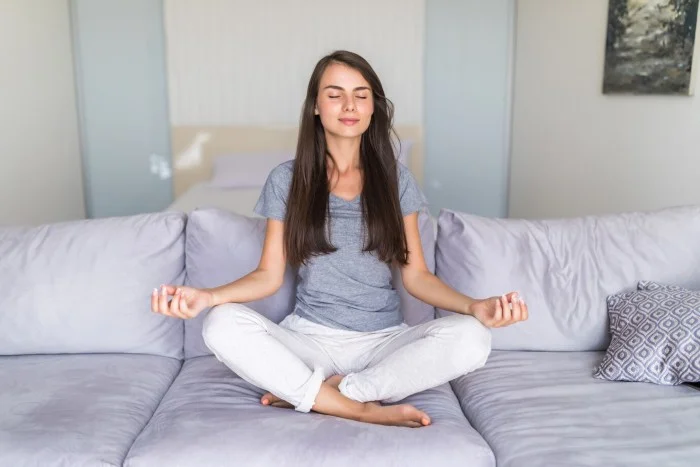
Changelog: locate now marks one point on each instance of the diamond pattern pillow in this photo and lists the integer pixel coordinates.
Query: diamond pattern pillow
(655, 335)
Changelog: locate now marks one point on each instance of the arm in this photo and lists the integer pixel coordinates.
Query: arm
(265, 280)
(423, 284)
(427, 287)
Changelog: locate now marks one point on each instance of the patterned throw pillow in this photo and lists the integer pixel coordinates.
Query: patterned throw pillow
(655, 336)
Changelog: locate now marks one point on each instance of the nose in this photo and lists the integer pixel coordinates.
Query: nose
(349, 105)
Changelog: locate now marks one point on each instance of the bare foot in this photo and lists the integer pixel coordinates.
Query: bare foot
(270, 399)
(335, 382)
(396, 415)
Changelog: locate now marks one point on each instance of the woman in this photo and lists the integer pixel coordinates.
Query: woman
(343, 212)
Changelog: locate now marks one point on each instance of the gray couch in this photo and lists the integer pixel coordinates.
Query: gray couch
(89, 376)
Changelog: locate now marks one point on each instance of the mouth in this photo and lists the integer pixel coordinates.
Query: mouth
(349, 121)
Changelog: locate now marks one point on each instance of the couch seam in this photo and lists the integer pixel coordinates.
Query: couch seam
(150, 418)
(471, 424)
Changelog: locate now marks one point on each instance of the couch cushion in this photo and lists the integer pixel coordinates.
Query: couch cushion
(212, 417)
(85, 286)
(77, 409)
(566, 268)
(223, 246)
(655, 335)
(545, 408)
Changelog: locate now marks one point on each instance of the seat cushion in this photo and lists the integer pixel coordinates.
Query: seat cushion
(545, 408)
(210, 416)
(85, 286)
(77, 409)
(223, 246)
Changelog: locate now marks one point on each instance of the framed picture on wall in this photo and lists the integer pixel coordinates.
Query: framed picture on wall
(650, 47)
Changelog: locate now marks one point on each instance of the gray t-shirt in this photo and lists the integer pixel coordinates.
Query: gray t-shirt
(347, 289)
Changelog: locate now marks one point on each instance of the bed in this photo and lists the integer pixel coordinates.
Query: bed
(225, 167)
(204, 195)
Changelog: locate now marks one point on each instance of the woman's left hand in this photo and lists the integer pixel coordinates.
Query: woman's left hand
(496, 312)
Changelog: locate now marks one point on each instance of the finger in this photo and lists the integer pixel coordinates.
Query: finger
(175, 306)
(184, 308)
(507, 313)
(181, 302)
(160, 299)
(163, 301)
(498, 315)
(526, 312)
(154, 300)
(169, 289)
(517, 309)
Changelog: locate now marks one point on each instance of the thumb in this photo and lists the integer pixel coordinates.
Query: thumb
(169, 289)
(189, 294)
(193, 297)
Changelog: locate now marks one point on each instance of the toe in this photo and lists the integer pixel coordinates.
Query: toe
(282, 405)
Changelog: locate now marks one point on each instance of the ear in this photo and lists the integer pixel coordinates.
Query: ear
(315, 110)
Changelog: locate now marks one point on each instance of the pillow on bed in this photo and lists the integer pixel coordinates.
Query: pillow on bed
(246, 169)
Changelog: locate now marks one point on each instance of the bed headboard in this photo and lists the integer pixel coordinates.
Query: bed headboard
(195, 147)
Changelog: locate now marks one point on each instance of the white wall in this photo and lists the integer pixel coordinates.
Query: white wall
(576, 151)
(40, 177)
(239, 62)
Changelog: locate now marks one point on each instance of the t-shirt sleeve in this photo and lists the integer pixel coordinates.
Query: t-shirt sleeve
(272, 202)
(411, 197)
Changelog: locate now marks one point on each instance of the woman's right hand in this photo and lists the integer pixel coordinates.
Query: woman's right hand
(187, 302)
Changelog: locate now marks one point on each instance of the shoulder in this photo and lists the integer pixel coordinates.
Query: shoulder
(402, 169)
(405, 176)
(282, 174)
(411, 196)
(286, 168)
(273, 197)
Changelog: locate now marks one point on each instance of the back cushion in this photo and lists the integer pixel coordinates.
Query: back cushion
(85, 286)
(414, 311)
(566, 268)
(222, 247)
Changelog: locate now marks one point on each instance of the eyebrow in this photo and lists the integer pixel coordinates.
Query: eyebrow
(359, 88)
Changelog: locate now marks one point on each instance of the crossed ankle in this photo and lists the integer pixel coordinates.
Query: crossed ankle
(334, 380)
(366, 412)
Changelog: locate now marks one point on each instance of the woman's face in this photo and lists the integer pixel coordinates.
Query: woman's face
(345, 102)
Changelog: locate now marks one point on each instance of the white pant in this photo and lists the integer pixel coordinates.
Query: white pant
(292, 359)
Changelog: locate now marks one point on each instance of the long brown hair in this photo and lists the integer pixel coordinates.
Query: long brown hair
(307, 205)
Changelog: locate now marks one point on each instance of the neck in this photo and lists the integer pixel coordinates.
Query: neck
(346, 152)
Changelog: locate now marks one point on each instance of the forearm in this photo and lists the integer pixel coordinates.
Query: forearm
(428, 288)
(253, 286)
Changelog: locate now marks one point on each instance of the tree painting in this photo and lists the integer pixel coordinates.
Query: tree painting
(649, 46)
